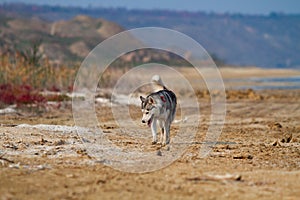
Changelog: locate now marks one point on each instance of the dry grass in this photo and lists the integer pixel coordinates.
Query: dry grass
(24, 75)
(17, 69)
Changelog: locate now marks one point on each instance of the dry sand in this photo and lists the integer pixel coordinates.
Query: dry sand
(257, 155)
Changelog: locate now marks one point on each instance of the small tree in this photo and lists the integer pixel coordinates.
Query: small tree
(32, 55)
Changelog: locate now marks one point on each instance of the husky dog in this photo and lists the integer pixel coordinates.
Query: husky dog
(159, 109)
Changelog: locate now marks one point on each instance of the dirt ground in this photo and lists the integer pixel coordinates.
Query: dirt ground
(257, 155)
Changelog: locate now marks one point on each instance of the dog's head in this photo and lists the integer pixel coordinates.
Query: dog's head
(148, 109)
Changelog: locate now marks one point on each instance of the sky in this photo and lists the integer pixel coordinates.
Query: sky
(218, 6)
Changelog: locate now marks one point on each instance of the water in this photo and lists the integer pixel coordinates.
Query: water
(262, 83)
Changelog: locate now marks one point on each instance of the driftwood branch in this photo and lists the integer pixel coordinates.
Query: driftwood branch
(5, 159)
(227, 177)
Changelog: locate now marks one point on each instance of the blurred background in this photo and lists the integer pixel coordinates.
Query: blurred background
(43, 42)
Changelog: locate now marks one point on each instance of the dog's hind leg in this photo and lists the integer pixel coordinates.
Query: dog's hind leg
(161, 126)
(154, 131)
(164, 142)
(162, 135)
(167, 134)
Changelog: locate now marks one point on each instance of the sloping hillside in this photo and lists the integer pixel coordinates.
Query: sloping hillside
(60, 41)
(267, 41)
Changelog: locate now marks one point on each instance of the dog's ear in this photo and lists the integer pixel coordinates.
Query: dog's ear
(151, 100)
(142, 98)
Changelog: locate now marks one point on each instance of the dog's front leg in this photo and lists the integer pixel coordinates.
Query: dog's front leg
(154, 131)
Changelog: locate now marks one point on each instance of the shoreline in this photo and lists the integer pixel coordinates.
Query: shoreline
(241, 78)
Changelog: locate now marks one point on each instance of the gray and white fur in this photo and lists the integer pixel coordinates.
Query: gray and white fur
(159, 109)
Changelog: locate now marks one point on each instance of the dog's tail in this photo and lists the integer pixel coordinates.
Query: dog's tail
(157, 84)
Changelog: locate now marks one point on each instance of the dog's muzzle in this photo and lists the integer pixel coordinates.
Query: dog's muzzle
(148, 122)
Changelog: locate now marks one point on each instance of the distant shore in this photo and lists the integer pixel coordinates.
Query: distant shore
(255, 78)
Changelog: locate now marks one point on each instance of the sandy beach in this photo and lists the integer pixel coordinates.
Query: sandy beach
(257, 155)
